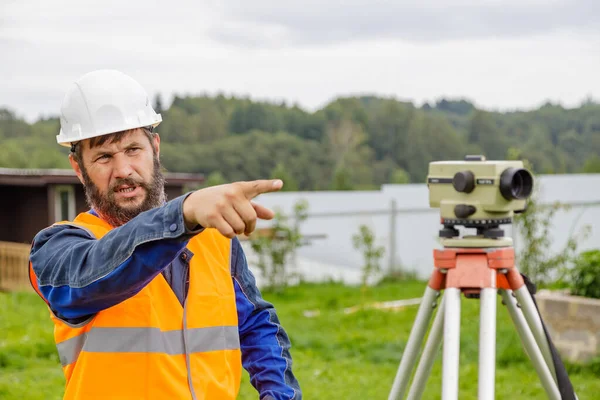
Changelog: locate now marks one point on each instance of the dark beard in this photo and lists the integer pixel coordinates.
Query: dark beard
(106, 205)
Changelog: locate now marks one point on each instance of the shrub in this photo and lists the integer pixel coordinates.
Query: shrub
(275, 250)
(364, 241)
(538, 258)
(584, 277)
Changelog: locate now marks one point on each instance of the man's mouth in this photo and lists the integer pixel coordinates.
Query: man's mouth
(126, 189)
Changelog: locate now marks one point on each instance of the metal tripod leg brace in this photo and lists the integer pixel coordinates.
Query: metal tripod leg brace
(476, 272)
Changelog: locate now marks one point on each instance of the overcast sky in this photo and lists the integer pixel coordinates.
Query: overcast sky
(500, 54)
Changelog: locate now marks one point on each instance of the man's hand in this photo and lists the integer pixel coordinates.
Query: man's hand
(229, 208)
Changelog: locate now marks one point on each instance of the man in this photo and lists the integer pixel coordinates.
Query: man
(152, 299)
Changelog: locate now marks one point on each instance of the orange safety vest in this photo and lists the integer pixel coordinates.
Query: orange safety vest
(149, 346)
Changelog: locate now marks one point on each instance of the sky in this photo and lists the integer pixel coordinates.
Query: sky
(499, 54)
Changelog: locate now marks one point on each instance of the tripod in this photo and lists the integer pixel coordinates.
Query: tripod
(477, 267)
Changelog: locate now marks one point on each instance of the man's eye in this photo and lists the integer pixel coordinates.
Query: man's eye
(103, 157)
(133, 150)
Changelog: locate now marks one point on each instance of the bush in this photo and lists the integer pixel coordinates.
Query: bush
(275, 250)
(364, 241)
(584, 277)
(538, 259)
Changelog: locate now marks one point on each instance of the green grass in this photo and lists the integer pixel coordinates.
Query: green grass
(336, 355)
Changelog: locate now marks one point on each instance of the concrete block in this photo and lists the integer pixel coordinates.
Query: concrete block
(574, 324)
(589, 311)
(556, 308)
(585, 356)
(581, 337)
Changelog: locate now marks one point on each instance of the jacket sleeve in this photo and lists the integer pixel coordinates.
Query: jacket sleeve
(264, 343)
(79, 275)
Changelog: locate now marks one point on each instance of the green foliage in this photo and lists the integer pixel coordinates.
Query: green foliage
(584, 277)
(535, 257)
(254, 155)
(592, 165)
(347, 148)
(13, 155)
(353, 143)
(158, 104)
(400, 176)
(255, 116)
(485, 132)
(275, 249)
(289, 183)
(215, 178)
(460, 107)
(364, 241)
(342, 180)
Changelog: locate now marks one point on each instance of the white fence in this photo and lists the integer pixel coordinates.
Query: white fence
(407, 227)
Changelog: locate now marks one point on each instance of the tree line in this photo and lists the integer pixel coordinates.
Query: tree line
(352, 143)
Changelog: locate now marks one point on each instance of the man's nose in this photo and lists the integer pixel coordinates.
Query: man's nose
(121, 166)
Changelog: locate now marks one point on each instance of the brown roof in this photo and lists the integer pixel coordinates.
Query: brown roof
(42, 177)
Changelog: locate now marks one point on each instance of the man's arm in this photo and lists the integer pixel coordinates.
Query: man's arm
(264, 343)
(79, 275)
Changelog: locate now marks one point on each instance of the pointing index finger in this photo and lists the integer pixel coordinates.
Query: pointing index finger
(254, 188)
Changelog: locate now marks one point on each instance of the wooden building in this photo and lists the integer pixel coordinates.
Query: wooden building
(32, 199)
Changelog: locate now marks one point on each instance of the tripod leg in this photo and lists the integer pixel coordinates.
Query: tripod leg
(531, 347)
(428, 358)
(451, 350)
(487, 344)
(413, 345)
(533, 319)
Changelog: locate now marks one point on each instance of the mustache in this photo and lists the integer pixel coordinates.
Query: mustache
(129, 182)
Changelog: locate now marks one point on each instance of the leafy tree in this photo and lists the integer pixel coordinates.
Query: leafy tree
(485, 132)
(303, 124)
(400, 176)
(255, 116)
(461, 107)
(592, 165)
(289, 183)
(215, 178)
(12, 155)
(344, 138)
(158, 104)
(388, 126)
(342, 180)
(351, 143)
(13, 127)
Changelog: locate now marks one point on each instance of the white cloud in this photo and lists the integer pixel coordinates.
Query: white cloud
(317, 22)
(190, 47)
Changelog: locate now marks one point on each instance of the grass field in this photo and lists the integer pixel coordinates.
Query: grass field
(336, 355)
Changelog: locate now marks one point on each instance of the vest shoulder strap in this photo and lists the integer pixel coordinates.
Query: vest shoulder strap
(95, 226)
(214, 240)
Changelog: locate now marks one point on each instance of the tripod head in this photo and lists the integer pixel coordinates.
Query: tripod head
(480, 194)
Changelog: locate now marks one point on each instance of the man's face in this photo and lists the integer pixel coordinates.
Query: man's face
(122, 178)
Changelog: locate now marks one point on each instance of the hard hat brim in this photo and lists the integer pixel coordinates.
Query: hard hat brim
(61, 138)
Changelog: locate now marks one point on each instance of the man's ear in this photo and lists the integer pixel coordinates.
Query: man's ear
(76, 168)
(156, 144)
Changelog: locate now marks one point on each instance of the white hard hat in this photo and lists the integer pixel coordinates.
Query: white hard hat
(102, 102)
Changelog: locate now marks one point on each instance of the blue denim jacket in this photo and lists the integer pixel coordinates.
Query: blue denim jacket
(80, 276)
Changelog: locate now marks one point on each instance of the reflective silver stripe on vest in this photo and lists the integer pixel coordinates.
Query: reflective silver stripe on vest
(148, 340)
(187, 352)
